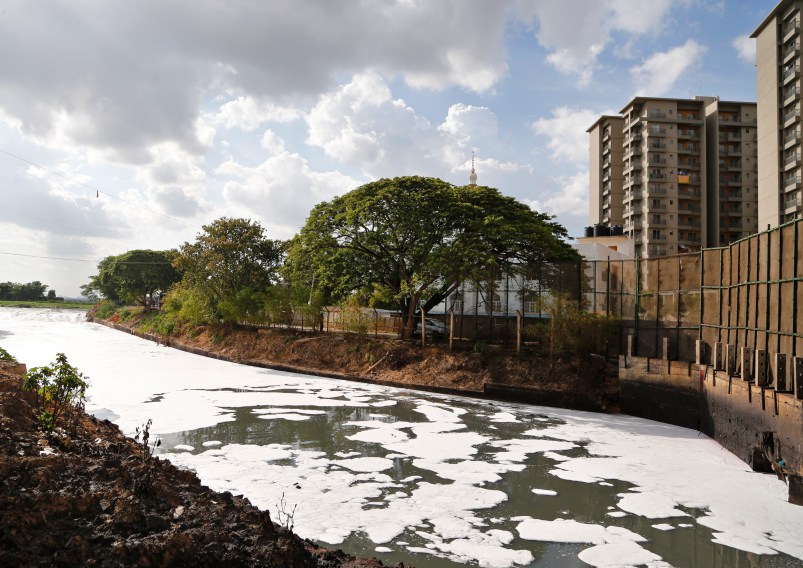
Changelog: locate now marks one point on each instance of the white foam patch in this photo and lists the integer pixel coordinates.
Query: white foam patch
(663, 527)
(212, 444)
(617, 555)
(285, 416)
(563, 530)
(574, 476)
(383, 549)
(365, 464)
(557, 457)
(468, 471)
(544, 492)
(184, 448)
(616, 514)
(518, 450)
(649, 504)
(504, 417)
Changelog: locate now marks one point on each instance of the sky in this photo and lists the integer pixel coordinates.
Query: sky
(131, 125)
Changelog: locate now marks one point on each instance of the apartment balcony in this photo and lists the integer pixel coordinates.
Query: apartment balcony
(689, 208)
(688, 192)
(688, 134)
(633, 152)
(791, 181)
(659, 223)
(653, 115)
(656, 146)
(790, 94)
(790, 139)
(689, 165)
(653, 175)
(688, 223)
(791, 117)
(657, 160)
(789, 30)
(657, 206)
(656, 189)
(688, 149)
(653, 131)
(791, 161)
(790, 51)
(792, 203)
(633, 138)
(733, 166)
(688, 118)
(733, 195)
(606, 134)
(790, 72)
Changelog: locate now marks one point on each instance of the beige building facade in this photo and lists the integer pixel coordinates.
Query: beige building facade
(689, 173)
(606, 171)
(780, 142)
(664, 175)
(732, 171)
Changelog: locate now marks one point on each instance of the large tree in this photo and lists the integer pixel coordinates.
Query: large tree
(134, 276)
(229, 266)
(419, 238)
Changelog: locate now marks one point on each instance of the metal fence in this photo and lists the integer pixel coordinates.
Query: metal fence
(744, 294)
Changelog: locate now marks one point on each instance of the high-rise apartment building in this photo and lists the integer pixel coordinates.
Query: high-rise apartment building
(732, 171)
(665, 175)
(605, 170)
(779, 102)
(688, 173)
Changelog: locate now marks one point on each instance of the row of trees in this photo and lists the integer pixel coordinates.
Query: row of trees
(28, 292)
(401, 243)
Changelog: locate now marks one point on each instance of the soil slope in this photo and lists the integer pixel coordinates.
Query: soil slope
(91, 497)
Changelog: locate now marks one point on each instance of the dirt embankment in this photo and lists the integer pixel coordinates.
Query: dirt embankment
(89, 497)
(586, 382)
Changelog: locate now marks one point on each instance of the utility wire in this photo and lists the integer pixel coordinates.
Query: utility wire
(82, 259)
(97, 191)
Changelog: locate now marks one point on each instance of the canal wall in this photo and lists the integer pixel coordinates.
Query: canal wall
(760, 425)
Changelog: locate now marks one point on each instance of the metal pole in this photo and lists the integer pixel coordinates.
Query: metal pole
(794, 292)
(637, 306)
(608, 290)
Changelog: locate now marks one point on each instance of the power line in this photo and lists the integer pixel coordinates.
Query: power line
(97, 191)
(83, 259)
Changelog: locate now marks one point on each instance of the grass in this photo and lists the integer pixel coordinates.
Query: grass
(45, 304)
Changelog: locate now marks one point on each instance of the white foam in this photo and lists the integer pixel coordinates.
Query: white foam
(663, 527)
(383, 549)
(618, 555)
(212, 444)
(563, 530)
(650, 504)
(184, 448)
(544, 492)
(365, 464)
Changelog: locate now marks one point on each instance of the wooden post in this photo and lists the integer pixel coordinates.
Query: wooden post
(518, 331)
(423, 328)
(451, 328)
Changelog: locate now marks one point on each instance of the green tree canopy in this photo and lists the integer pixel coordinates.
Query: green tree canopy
(133, 276)
(29, 291)
(419, 238)
(230, 265)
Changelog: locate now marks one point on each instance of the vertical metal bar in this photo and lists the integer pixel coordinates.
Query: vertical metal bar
(702, 294)
(637, 304)
(507, 304)
(739, 282)
(780, 287)
(796, 272)
(721, 285)
(608, 291)
(767, 287)
(594, 307)
(657, 302)
(749, 285)
(677, 317)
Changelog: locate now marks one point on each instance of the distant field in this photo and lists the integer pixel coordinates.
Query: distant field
(54, 305)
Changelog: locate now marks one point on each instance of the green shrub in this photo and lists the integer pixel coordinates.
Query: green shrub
(105, 309)
(59, 388)
(6, 356)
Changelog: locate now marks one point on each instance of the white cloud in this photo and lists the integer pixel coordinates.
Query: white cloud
(745, 48)
(272, 142)
(565, 196)
(175, 180)
(575, 37)
(280, 191)
(658, 75)
(249, 114)
(566, 130)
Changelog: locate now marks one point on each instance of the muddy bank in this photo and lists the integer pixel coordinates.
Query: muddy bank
(564, 380)
(89, 496)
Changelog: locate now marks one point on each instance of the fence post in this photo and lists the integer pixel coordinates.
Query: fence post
(608, 290)
(518, 331)
(638, 307)
(451, 327)
(746, 363)
(423, 327)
